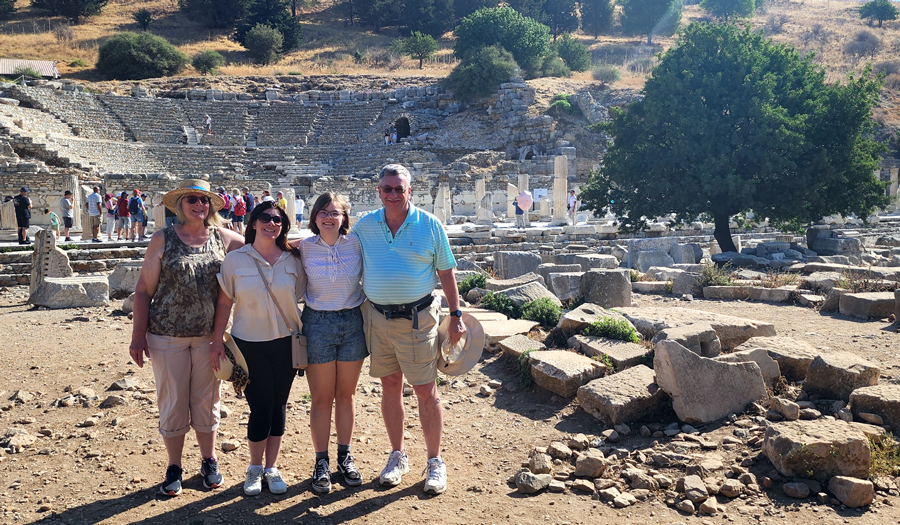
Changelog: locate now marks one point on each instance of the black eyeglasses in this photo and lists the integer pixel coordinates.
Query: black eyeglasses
(265, 218)
(399, 190)
(193, 199)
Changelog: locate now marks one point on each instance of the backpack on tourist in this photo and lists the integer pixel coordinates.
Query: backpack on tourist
(134, 206)
(240, 208)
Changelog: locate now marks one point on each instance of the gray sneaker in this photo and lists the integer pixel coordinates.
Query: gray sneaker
(253, 483)
(397, 466)
(436, 482)
(275, 482)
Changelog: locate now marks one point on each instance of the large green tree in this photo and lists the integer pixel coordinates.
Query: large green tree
(420, 46)
(650, 17)
(526, 39)
(729, 9)
(561, 16)
(130, 56)
(731, 122)
(74, 10)
(216, 13)
(427, 16)
(274, 14)
(596, 16)
(880, 10)
(379, 13)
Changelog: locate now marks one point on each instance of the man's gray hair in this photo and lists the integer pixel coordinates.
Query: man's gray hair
(395, 169)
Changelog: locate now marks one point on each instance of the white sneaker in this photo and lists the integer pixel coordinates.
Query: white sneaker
(436, 482)
(275, 482)
(253, 483)
(397, 466)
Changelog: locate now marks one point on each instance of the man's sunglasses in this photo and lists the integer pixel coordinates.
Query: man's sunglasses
(193, 199)
(399, 190)
(265, 218)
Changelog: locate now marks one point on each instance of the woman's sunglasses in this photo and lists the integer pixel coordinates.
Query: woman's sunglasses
(265, 218)
(193, 199)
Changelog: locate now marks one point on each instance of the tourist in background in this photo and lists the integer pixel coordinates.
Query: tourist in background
(137, 210)
(123, 226)
(267, 196)
(572, 206)
(109, 204)
(94, 205)
(54, 222)
(238, 212)
(520, 214)
(174, 313)
(225, 212)
(249, 201)
(282, 202)
(262, 334)
(298, 211)
(333, 326)
(67, 212)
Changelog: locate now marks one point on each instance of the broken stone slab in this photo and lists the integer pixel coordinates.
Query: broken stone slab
(575, 321)
(635, 246)
(731, 331)
(694, 489)
(544, 270)
(128, 304)
(606, 288)
(123, 279)
(883, 400)
(767, 366)
(785, 407)
(591, 464)
(793, 356)
(661, 273)
(71, 292)
(526, 293)
(685, 253)
(835, 375)
(832, 301)
(589, 261)
(622, 354)
(686, 283)
(562, 372)
(699, 338)
(644, 260)
(726, 293)
(811, 300)
(484, 315)
(496, 331)
(781, 294)
(877, 305)
(565, 286)
(704, 390)
(817, 449)
(509, 264)
(518, 344)
(496, 285)
(623, 397)
(822, 282)
(657, 287)
(528, 483)
(852, 492)
(741, 260)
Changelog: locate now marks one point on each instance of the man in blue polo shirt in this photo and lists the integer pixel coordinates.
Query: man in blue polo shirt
(404, 249)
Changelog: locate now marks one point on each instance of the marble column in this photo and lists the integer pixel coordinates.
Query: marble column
(894, 182)
(159, 212)
(289, 209)
(441, 204)
(560, 189)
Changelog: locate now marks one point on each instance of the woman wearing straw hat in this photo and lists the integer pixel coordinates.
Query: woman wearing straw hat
(174, 310)
(263, 282)
(333, 326)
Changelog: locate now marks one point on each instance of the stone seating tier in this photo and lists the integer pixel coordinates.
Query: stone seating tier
(84, 112)
(158, 120)
(33, 122)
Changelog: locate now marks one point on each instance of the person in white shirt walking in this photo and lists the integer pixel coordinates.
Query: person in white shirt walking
(572, 206)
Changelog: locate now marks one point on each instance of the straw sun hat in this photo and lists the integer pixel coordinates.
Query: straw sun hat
(458, 359)
(189, 186)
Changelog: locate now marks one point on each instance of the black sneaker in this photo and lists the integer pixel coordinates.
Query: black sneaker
(68, 239)
(209, 469)
(347, 467)
(172, 485)
(321, 480)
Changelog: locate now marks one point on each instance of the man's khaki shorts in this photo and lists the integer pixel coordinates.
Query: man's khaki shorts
(395, 346)
(95, 221)
(187, 391)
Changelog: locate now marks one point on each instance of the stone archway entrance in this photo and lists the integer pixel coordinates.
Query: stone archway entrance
(402, 126)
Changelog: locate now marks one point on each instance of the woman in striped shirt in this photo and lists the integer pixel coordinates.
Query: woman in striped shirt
(333, 325)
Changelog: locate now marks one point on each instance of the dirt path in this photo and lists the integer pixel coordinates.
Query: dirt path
(109, 472)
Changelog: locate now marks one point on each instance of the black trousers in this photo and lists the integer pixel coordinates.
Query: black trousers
(271, 376)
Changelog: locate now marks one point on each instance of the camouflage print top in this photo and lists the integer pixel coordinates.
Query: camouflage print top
(184, 304)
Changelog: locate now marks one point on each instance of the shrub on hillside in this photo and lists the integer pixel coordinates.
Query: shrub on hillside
(880, 10)
(888, 67)
(525, 38)
(26, 71)
(143, 17)
(606, 73)
(543, 311)
(863, 43)
(129, 56)
(574, 53)
(478, 280)
(553, 66)
(500, 303)
(264, 44)
(207, 62)
(71, 9)
(7, 7)
(481, 74)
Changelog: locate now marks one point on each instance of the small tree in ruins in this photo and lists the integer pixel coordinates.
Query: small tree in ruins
(419, 46)
(731, 122)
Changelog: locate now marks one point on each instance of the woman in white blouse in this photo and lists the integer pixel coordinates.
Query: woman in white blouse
(333, 325)
(261, 333)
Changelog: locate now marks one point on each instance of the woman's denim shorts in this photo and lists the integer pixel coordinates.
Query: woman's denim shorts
(334, 335)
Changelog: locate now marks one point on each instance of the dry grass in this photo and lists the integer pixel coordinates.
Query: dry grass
(813, 26)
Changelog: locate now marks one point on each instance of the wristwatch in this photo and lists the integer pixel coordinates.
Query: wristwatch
(456, 313)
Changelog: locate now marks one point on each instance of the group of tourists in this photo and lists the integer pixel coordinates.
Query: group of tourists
(198, 274)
